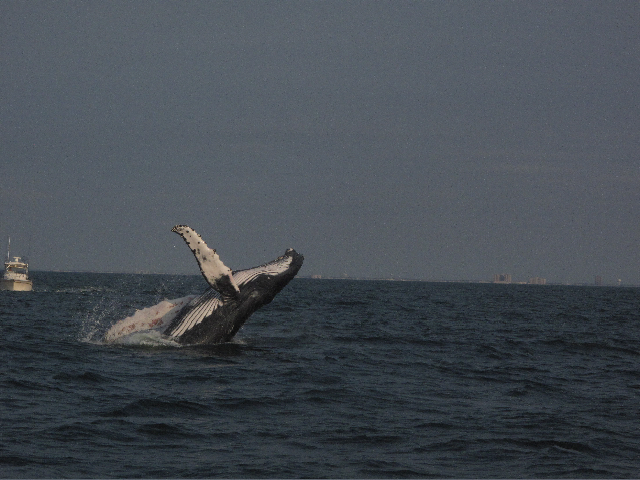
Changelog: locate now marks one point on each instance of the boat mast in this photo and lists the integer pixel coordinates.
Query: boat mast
(8, 249)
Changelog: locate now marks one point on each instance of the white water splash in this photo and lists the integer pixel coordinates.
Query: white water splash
(146, 338)
(145, 326)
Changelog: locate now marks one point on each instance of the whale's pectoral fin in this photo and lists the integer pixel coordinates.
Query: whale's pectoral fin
(216, 273)
(226, 285)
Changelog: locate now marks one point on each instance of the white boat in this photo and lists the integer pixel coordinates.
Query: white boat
(16, 275)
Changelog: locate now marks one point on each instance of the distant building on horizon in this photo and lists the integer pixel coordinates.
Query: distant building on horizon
(537, 281)
(502, 278)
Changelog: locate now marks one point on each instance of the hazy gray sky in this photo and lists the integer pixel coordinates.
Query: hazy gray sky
(433, 140)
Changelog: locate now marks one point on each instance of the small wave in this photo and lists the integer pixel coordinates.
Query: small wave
(166, 430)
(15, 461)
(390, 469)
(86, 377)
(364, 439)
(148, 407)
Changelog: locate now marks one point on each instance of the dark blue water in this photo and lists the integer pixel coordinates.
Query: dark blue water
(335, 378)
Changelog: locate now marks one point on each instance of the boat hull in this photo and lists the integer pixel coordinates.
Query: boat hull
(16, 285)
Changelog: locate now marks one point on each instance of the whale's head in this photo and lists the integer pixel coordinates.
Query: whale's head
(263, 283)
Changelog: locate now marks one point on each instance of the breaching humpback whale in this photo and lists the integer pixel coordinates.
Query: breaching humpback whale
(217, 314)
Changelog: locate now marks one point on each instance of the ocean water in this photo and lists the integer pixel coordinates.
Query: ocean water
(334, 378)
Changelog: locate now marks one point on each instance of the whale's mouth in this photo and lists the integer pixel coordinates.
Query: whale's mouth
(283, 268)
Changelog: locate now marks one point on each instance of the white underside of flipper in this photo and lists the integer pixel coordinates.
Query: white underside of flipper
(216, 273)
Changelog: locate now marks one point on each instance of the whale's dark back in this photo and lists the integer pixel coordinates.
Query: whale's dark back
(212, 318)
